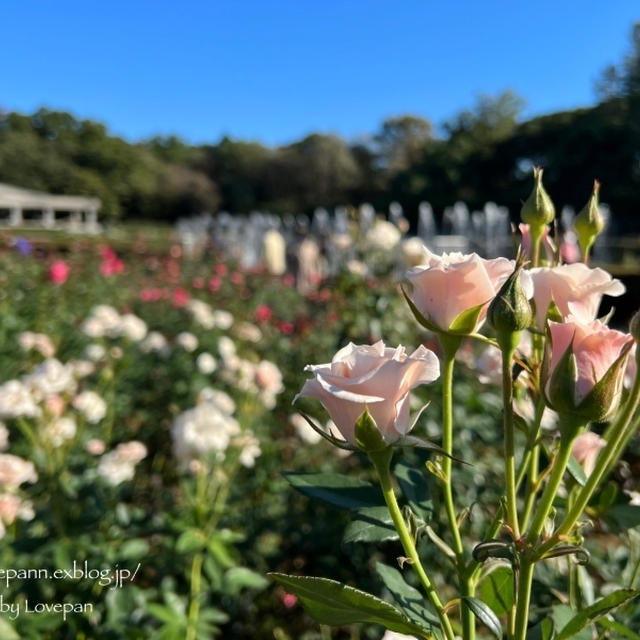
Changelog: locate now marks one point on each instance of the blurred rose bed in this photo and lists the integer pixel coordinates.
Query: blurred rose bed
(145, 400)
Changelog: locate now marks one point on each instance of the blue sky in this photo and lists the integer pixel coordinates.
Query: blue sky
(276, 70)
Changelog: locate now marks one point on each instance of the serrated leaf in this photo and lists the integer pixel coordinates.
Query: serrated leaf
(372, 524)
(415, 489)
(336, 604)
(496, 590)
(408, 598)
(485, 615)
(597, 610)
(336, 489)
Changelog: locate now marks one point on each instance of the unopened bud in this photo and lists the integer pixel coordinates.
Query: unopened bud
(589, 222)
(510, 310)
(538, 210)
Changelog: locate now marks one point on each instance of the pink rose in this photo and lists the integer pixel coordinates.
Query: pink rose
(579, 357)
(448, 285)
(373, 377)
(58, 272)
(574, 288)
(585, 449)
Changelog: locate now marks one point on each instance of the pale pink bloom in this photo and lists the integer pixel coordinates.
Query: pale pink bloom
(58, 431)
(9, 505)
(38, 341)
(54, 405)
(631, 371)
(585, 449)
(12, 507)
(373, 377)
(595, 348)
(545, 242)
(569, 250)
(575, 289)
(95, 447)
(133, 451)
(450, 284)
(489, 365)
(15, 471)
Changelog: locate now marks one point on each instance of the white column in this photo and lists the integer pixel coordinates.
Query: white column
(15, 217)
(48, 218)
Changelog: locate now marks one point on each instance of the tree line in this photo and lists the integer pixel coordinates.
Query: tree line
(484, 153)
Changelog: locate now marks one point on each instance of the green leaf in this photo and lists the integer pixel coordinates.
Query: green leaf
(336, 489)
(163, 613)
(415, 488)
(408, 598)
(620, 630)
(238, 578)
(134, 549)
(372, 524)
(625, 516)
(576, 470)
(597, 610)
(336, 604)
(542, 631)
(561, 615)
(485, 615)
(496, 590)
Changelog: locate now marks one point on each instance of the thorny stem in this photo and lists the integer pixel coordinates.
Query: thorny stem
(450, 347)
(381, 461)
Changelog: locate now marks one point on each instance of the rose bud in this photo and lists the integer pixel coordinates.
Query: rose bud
(583, 369)
(510, 312)
(374, 379)
(537, 210)
(589, 222)
(450, 293)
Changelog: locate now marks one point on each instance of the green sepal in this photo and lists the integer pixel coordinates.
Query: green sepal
(466, 322)
(603, 399)
(341, 444)
(561, 386)
(367, 434)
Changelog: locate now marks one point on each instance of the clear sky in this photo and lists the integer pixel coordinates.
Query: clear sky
(276, 70)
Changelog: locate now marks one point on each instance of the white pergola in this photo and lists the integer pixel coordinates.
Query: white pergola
(82, 210)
